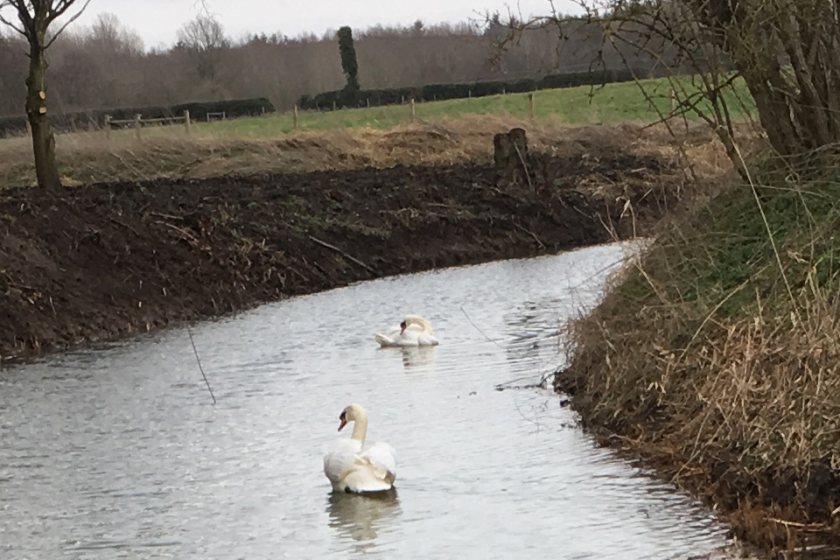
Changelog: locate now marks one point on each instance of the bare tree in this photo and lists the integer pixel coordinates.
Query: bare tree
(109, 35)
(205, 38)
(786, 51)
(35, 18)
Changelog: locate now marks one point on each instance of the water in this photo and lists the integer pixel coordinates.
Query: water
(119, 453)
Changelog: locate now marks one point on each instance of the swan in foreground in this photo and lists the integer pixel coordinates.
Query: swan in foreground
(413, 331)
(356, 466)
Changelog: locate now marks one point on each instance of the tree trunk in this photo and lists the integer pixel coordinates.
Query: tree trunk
(510, 154)
(43, 141)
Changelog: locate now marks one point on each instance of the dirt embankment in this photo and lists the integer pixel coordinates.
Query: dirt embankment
(104, 261)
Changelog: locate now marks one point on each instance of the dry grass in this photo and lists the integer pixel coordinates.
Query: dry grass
(721, 365)
(169, 153)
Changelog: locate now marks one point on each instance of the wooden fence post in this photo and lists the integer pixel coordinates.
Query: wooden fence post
(673, 100)
(295, 118)
(108, 126)
(28, 128)
(531, 105)
(413, 111)
(187, 124)
(137, 125)
(334, 105)
(367, 102)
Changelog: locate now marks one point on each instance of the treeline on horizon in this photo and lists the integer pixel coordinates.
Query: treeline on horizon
(106, 65)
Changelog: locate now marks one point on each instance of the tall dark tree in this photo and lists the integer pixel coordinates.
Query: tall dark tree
(35, 19)
(349, 63)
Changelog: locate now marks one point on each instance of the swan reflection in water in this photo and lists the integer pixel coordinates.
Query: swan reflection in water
(362, 517)
(413, 356)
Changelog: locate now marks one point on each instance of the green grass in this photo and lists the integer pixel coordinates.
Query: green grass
(612, 103)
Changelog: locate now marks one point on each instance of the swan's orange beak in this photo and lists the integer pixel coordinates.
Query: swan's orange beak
(343, 420)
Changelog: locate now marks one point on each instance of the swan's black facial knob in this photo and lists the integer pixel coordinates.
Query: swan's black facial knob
(342, 420)
(402, 327)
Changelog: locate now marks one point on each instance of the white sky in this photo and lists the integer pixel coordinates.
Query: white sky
(158, 20)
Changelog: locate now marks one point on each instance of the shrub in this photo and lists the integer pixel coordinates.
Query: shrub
(66, 122)
(391, 96)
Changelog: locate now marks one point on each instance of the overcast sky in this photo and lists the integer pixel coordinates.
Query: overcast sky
(158, 20)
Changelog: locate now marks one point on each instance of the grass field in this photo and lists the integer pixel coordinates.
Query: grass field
(613, 103)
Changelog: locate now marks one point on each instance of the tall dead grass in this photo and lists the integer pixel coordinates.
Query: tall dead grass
(167, 152)
(717, 355)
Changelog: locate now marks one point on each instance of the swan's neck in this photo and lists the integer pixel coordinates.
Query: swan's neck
(360, 426)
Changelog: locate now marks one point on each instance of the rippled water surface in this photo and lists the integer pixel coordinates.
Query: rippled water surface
(119, 453)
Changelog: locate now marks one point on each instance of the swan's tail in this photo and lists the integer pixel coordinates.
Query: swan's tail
(361, 481)
(384, 340)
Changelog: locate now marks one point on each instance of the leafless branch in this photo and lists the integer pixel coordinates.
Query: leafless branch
(67, 23)
(23, 14)
(5, 21)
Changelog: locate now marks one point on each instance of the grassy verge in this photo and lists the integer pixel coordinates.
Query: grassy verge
(716, 356)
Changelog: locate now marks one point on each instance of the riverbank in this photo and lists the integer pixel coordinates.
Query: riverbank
(714, 358)
(109, 260)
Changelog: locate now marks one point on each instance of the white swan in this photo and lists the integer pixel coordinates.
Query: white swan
(413, 331)
(356, 466)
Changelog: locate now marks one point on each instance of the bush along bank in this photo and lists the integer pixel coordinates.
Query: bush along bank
(348, 98)
(82, 120)
(717, 357)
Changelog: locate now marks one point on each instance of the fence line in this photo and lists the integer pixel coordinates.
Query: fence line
(138, 121)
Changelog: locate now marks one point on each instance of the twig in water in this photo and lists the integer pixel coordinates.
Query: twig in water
(543, 384)
(464, 311)
(343, 254)
(201, 369)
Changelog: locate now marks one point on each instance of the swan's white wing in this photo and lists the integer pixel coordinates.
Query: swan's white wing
(424, 339)
(384, 340)
(408, 337)
(349, 468)
(391, 338)
(383, 457)
(340, 458)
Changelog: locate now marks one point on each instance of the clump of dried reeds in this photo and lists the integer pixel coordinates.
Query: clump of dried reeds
(717, 354)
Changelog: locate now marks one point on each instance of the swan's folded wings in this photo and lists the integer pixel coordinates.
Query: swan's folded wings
(383, 458)
(424, 339)
(342, 455)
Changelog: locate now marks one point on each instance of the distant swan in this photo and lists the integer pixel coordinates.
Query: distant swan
(413, 331)
(356, 466)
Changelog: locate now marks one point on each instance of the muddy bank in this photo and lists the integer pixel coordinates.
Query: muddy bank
(104, 261)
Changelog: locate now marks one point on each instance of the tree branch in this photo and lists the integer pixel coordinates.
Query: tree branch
(60, 8)
(4, 21)
(67, 23)
(20, 7)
